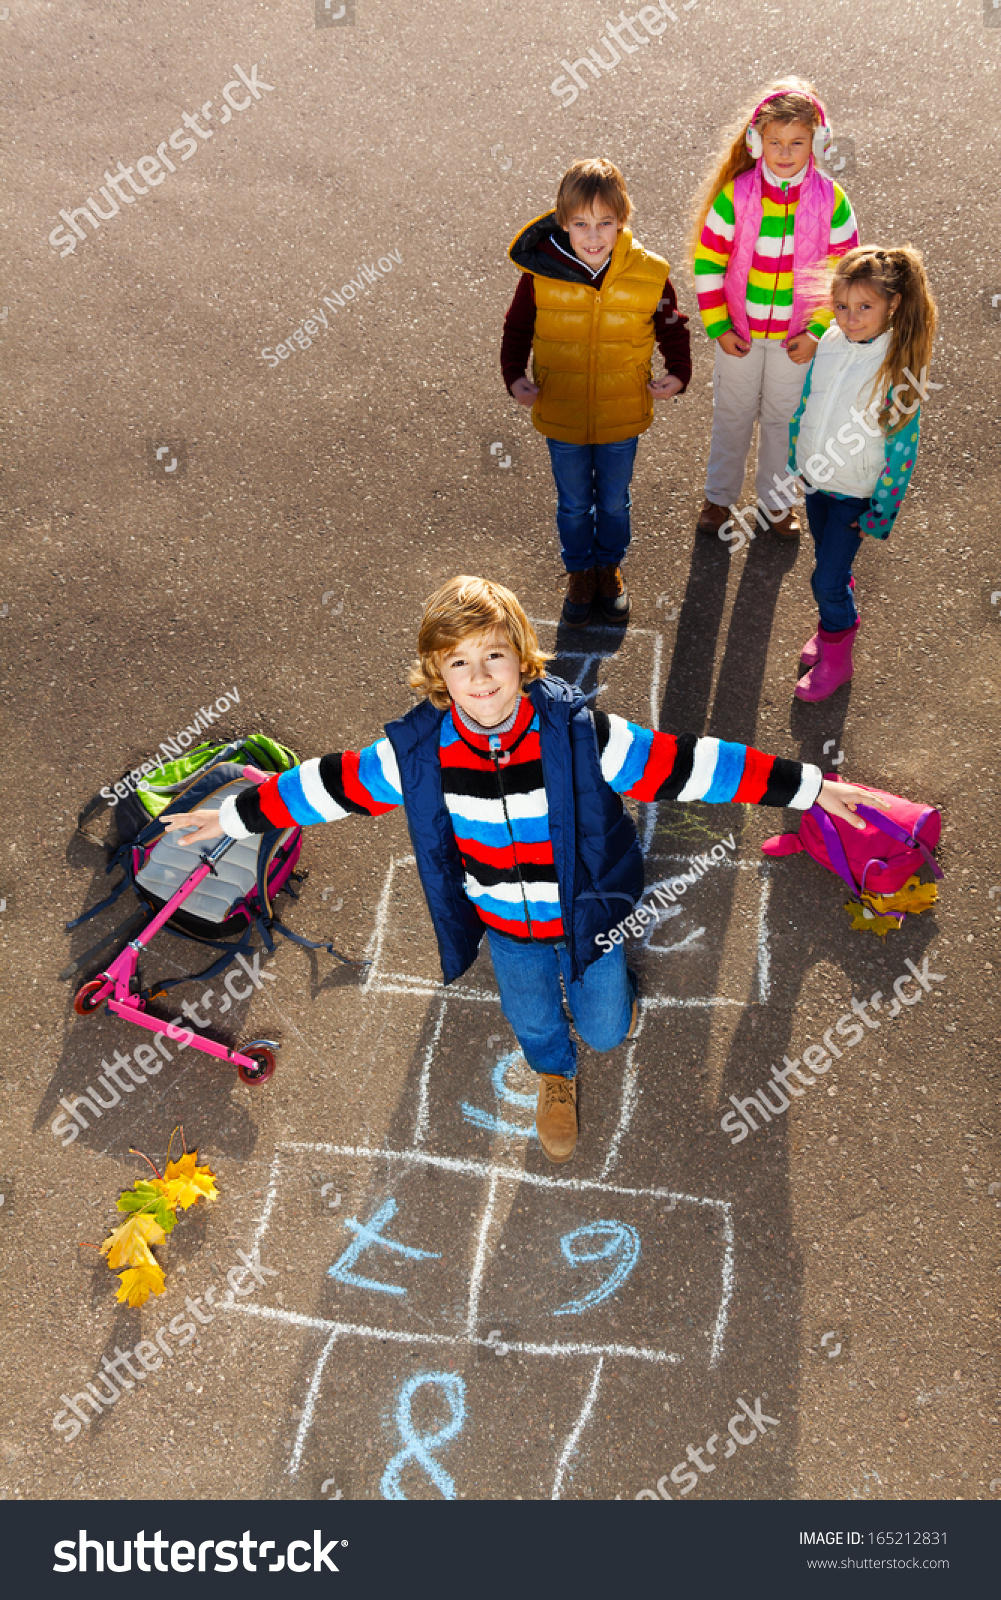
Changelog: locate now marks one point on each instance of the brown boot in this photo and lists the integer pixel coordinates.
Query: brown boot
(613, 596)
(787, 527)
(580, 597)
(711, 517)
(556, 1116)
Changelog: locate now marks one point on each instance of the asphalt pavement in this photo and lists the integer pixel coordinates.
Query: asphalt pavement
(810, 1312)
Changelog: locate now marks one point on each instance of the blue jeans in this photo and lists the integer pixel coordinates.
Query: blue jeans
(592, 501)
(528, 977)
(836, 545)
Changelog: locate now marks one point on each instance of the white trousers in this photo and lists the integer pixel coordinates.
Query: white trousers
(765, 384)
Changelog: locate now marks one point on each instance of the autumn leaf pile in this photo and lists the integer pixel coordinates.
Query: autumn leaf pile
(878, 913)
(152, 1206)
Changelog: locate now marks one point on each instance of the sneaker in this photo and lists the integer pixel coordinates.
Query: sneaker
(580, 597)
(711, 517)
(556, 1116)
(613, 596)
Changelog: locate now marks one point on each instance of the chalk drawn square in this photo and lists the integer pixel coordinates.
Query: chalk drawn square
(476, 1096)
(420, 1222)
(435, 1424)
(607, 1269)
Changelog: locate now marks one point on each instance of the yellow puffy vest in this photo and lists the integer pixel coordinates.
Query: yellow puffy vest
(592, 349)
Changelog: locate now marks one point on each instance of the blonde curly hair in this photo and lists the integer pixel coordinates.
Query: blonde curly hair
(460, 609)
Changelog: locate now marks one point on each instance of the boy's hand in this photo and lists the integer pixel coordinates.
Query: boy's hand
(801, 348)
(733, 344)
(840, 800)
(205, 822)
(524, 391)
(663, 388)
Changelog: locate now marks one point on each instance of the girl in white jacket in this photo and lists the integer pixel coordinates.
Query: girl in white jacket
(854, 435)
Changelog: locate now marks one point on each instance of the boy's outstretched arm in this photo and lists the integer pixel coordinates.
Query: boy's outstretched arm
(365, 782)
(645, 765)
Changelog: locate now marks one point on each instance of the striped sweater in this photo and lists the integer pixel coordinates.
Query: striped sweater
(497, 800)
(769, 282)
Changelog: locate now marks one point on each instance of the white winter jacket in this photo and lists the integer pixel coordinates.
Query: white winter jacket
(836, 451)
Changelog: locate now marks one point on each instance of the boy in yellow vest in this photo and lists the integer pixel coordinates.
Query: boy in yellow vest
(589, 307)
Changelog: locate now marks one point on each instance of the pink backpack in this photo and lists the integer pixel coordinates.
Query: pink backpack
(876, 859)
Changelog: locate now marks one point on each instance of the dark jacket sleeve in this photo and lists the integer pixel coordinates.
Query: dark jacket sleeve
(519, 327)
(671, 331)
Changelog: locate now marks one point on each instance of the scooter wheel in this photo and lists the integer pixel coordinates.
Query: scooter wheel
(262, 1070)
(85, 1001)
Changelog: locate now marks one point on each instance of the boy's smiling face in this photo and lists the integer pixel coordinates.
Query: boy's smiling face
(483, 676)
(593, 234)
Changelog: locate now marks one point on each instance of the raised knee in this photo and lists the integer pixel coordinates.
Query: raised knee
(600, 1037)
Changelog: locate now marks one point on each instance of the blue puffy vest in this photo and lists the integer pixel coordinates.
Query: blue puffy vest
(599, 868)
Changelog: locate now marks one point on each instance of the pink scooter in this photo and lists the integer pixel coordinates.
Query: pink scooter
(255, 1063)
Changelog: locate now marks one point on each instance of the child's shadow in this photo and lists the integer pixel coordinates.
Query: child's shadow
(581, 651)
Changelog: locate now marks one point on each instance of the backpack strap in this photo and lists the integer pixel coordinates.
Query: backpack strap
(835, 849)
(109, 900)
(312, 944)
(895, 831)
(226, 960)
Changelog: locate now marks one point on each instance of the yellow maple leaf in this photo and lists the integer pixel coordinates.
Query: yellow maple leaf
(184, 1182)
(913, 898)
(128, 1245)
(865, 920)
(138, 1283)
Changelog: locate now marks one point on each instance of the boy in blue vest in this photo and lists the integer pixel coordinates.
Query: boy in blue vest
(512, 792)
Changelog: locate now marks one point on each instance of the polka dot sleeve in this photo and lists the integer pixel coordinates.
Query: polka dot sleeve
(901, 453)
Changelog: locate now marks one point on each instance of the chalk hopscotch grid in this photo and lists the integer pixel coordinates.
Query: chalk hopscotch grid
(378, 982)
(494, 1174)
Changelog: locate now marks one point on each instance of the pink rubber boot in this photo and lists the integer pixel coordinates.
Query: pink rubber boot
(810, 653)
(833, 668)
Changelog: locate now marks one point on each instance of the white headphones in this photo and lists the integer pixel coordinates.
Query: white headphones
(823, 138)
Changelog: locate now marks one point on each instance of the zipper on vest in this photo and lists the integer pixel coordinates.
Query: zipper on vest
(592, 375)
(501, 758)
(775, 285)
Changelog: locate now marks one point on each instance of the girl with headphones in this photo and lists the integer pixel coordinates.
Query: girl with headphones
(768, 225)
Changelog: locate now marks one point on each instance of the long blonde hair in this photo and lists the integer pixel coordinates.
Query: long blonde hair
(792, 103)
(912, 331)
